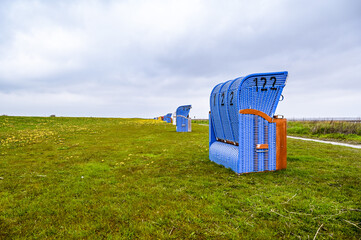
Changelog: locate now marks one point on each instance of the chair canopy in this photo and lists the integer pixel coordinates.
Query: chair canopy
(183, 110)
(260, 91)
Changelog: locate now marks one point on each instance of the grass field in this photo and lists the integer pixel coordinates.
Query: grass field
(93, 178)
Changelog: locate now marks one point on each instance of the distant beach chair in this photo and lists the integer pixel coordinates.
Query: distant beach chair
(244, 134)
(184, 122)
(168, 118)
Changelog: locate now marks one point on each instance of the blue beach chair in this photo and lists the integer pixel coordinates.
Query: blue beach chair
(184, 123)
(168, 118)
(244, 135)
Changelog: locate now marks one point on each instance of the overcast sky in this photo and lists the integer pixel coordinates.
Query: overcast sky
(145, 58)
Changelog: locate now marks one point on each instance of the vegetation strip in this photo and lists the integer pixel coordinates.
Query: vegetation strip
(328, 142)
(348, 132)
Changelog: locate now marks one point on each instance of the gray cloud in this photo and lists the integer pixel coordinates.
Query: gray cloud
(144, 58)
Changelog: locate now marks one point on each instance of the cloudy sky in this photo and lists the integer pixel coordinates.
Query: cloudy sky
(145, 58)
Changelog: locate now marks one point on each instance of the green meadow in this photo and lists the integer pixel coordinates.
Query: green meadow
(108, 178)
